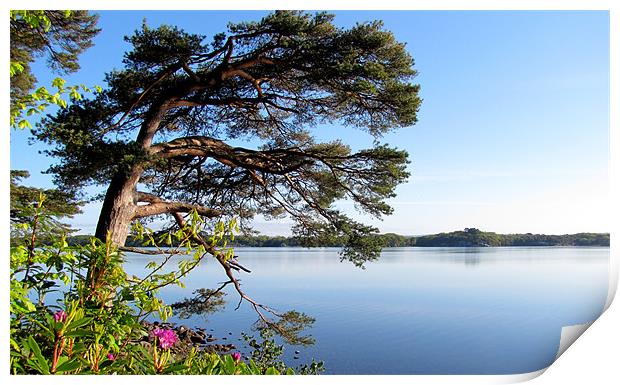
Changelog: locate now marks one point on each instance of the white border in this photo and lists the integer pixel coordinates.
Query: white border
(598, 349)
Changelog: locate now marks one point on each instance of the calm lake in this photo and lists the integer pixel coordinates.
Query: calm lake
(417, 310)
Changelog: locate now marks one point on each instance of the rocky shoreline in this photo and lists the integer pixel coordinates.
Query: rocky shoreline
(188, 339)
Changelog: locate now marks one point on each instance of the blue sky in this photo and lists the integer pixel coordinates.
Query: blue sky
(512, 133)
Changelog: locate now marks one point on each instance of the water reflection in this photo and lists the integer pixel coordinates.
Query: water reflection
(419, 310)
(203, 303)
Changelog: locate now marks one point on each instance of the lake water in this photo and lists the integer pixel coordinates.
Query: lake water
(417, 310)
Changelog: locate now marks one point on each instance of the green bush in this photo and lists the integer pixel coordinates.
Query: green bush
(95, 325)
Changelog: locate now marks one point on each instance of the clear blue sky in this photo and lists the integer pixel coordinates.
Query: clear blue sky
(512, 133)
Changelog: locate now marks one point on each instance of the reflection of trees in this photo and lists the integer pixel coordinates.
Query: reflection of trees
(289, 325)
(472, 260)
(205, 301)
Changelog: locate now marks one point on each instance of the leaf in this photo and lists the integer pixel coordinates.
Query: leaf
(28, 305)
(61, 360)
(44, 328)
(16, 67)
(58, 83)
(41, 361)
(69, 366)
(229, 365)
(23, 124)
(254, 367)
(78, 323)
(74, 94)
(272, 371)
(14, 345)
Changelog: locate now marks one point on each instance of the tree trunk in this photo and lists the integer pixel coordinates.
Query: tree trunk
(118, 207)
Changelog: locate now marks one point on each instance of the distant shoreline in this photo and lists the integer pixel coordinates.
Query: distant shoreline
(469, 237)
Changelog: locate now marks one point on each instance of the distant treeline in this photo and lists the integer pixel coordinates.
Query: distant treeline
(475, 237)
(470, 237)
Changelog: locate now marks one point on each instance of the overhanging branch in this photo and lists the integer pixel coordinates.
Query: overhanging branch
(273, 162)
(159, 206)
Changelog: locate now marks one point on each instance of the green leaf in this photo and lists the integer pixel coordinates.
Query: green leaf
(16, 67)
(78, 323)
(41, 91)
(28, 305)
(47, 331)
(272, 371)
(58, 83)
(69, 366)
(41, 361)
(24, 124)
(74, 94)
(229, 365)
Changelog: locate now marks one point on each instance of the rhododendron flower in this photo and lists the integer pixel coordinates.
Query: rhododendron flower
(60, 316)
(236, 356)
(165, 337)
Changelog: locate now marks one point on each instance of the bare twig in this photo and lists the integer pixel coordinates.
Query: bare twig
(228, 269)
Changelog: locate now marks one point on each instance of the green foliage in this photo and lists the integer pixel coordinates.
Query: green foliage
(269, 82)
(208, 364)
(60, 35)
(94, 325)
(466, 238)
(474, 237)
(266, 355)
(26, 204)
(267, 352)
(452, 239)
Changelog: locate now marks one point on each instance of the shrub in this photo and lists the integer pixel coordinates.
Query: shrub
(94, 325)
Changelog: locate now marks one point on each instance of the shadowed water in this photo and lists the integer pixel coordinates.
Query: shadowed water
(417, 310)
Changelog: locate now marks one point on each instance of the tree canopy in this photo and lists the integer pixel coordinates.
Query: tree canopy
(60, 36)
(163, 135)
(25, 204)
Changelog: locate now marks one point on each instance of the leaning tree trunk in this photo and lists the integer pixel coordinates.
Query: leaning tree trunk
(118, 208)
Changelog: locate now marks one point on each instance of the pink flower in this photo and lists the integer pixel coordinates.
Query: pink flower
(60, 316)
(166, 337)
(111, 357)
(236, 356)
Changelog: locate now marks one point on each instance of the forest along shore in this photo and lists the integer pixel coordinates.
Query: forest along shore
(469, 237)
